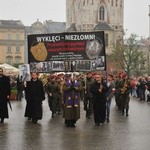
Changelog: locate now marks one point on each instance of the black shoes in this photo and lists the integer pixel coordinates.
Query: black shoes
(29, 119)
(53, 114)
(2, 120)
(70, 125)
(34, 120)
(127, 114)
(108, 120)
(88, 117)
(73, 125)
(97, 124)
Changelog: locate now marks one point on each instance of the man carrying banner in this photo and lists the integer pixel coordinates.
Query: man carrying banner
(5, 91)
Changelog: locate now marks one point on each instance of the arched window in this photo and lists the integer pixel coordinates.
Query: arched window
(102, 13)
(9, 49)
(17, 59)
(9, 60)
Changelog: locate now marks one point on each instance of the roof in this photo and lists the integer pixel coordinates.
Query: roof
(55, 27)
(11, 24)
(102, 26)
(72, 27)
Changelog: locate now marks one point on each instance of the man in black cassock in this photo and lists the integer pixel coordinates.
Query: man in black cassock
(34, 94)
(5, 91)
(99, 89)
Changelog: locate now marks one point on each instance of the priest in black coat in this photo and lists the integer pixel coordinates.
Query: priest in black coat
(5, 91)
(34, 94)
(99, 89)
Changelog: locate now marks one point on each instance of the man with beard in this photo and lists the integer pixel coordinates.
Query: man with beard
(34, 94)
(5, 91)
(99, 89)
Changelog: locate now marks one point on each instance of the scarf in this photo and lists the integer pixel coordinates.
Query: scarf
(71, 97)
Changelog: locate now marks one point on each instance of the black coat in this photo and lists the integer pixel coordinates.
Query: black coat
(99, 101)
(5, 90)
(34, 94)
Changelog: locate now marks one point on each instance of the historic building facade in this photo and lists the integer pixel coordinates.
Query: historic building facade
(97, 15)
(12, 37)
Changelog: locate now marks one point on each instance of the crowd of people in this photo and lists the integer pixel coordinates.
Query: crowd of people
(141, 88)
(65, 92)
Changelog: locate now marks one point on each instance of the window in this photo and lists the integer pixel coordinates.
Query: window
(116, 3)
(112, 2)
(121, 4)
(9, 36)
(106, 39)
(83, 2)
(102, 13)
(9, 49)
(17, 49)
(92, 2)
(17, 36)
(17, 60)
(9, 60)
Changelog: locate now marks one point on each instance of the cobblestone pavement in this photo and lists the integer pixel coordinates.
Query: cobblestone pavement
(122, 133)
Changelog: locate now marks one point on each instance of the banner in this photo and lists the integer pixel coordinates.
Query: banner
(73, 51)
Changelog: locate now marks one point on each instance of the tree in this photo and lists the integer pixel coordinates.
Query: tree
(128, 57)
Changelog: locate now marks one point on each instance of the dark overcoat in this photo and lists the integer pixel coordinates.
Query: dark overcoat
(34, 94)
(5, 90)
(99, 101)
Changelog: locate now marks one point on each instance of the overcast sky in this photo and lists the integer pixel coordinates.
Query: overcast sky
(136, 12)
